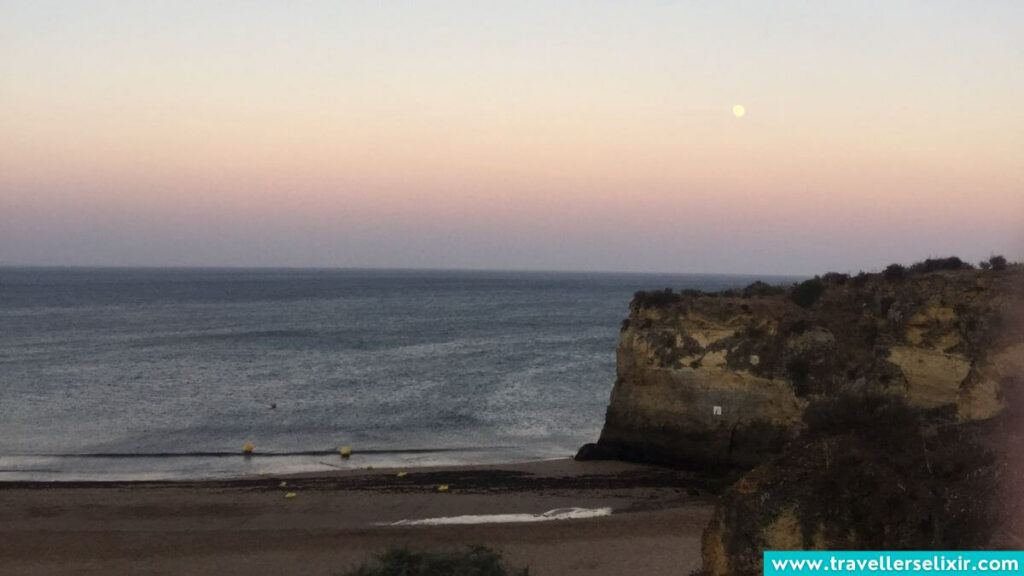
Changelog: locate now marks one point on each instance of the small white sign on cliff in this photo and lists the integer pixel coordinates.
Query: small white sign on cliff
(716, 411)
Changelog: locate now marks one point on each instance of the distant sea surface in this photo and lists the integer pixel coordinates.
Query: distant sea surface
(116, 374)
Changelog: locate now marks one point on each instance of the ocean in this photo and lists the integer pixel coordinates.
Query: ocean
(117, 374)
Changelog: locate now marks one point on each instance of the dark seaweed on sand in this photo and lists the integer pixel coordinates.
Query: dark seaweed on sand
(473, 561)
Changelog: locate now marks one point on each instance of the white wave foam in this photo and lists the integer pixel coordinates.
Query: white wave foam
(556, 514)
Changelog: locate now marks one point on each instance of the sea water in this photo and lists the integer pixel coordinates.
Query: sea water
(166, 373)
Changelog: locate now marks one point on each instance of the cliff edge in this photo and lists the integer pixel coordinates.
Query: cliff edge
(880, 411)
(725, 379)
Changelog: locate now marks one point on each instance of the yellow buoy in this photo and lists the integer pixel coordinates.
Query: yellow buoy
(402, 474)
(345, 451)
(289, 495)
(248, 448)
(442, 488)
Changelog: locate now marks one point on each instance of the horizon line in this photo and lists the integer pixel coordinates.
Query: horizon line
(201, 267)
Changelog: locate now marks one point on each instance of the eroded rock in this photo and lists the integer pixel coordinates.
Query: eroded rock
(724, 379)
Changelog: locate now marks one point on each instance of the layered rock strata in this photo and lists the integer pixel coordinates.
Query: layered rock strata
(725, 379)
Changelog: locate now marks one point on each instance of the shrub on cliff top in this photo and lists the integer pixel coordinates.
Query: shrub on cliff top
(475, 561)
(835, 278)
(806, 293)
(935, 264)
(759, 288)
(654, 298)
(894, 272)
(997, 262)
(861, 279)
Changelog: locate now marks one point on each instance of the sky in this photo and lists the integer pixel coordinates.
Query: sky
(571, 135)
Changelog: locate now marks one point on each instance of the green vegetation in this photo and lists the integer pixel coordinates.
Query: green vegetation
(666, 297)
(895, 272)
(935, 264)
(474, 561)
(996, 262)
(654, 298)
(759, 288)
(835, 278)
(806, 293)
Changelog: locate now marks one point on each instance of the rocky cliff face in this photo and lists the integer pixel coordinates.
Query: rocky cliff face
(725, 379)
(883, 411)
(871, 473)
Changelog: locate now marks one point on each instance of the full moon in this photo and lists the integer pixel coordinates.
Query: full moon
(738, 111)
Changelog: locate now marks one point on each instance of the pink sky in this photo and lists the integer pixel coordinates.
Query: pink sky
(587, 139)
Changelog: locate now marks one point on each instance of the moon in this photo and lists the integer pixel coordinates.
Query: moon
(739, 111)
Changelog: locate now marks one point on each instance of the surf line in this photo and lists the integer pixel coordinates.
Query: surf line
(556, 514)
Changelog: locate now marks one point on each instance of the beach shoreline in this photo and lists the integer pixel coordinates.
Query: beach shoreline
(336, 520)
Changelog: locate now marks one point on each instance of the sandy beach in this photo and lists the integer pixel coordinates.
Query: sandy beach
(337, 520)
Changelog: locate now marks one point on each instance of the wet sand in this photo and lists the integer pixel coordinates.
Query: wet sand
(337, 520)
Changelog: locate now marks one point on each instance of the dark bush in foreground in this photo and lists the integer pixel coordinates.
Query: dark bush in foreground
(474, 561)
(807, 292)
(997, 262)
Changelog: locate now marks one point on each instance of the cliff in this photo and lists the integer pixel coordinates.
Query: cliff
(725, 379)
(881, 411)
